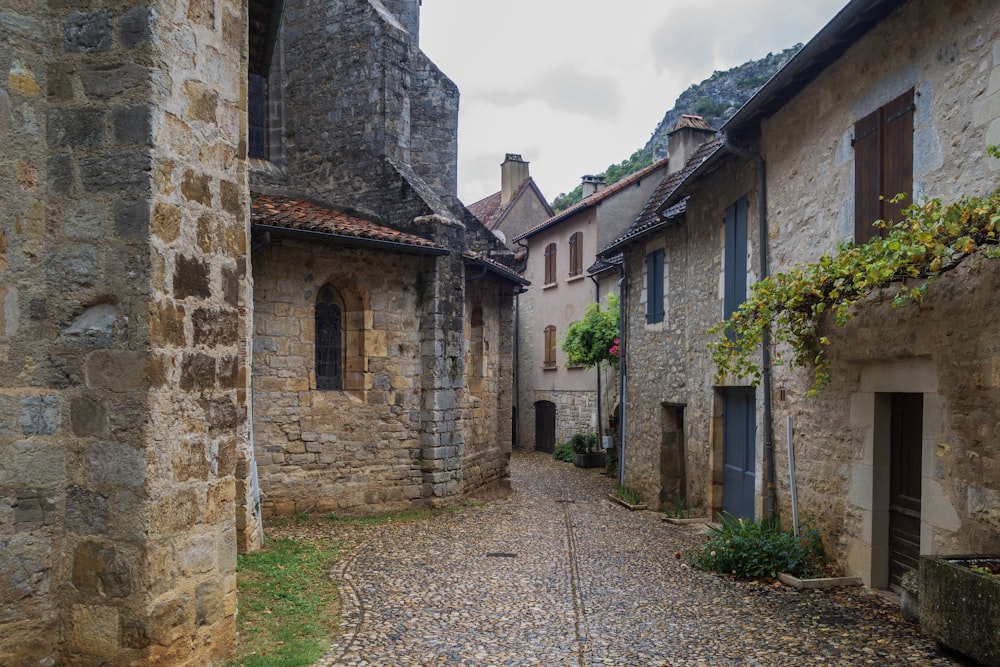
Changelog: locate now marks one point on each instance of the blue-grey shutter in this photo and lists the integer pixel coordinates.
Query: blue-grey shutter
(735, 257)
(654, 287)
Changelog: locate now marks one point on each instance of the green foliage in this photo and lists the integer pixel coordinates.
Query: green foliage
(563, 451)
(709, 108)
(746, 549)
(790, 307)
(628, 494)
(638, 161)
(287, 604)
(589, 341)
(677, 509)
(583, 443)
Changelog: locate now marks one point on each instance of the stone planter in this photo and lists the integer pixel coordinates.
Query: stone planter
(960, 607)
(621, 502)
(589, 460)
(817, 583)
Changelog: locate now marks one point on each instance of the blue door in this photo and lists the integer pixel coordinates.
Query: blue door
(739, 429)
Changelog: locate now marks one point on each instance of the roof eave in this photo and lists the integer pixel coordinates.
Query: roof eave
(351, 241)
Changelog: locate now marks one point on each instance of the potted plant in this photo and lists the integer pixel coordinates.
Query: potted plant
(585, 452)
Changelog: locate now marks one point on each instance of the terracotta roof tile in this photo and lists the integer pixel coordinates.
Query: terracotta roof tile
(488, 210)
(596, 198)
(298, 215)
(496, 267)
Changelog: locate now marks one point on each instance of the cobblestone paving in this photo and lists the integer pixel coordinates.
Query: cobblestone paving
(555, 574)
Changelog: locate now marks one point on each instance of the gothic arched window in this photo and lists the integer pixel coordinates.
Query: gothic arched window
(329, 339)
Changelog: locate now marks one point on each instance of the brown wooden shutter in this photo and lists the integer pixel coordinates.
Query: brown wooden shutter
(576, 254)
(550, 263)
(867, 176)
(550, 346)
(897, 155)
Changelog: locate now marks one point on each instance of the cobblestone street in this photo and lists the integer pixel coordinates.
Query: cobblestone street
(555, 574)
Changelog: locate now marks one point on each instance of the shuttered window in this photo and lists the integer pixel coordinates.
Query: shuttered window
(883, 165)
(735, 257)
(654, 287)
(550, 263)
(550, 346)
(329, 339)
(576, 254)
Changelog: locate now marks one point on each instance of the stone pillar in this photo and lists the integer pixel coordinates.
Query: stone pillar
(122, 390)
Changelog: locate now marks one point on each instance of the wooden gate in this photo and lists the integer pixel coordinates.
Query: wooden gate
(905, 435)
(545, 426)
(739, 431)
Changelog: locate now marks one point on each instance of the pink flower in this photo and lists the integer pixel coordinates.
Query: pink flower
(615, 350)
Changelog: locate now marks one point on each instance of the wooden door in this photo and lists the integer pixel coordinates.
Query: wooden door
(545, 426)
(905, 435)
(739, 454)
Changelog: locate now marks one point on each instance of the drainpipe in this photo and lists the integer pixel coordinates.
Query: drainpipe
(517, 353)
(600, 424)
(771, 505)
(622, 357)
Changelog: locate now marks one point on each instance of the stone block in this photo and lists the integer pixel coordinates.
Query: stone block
(76, 128)
(93, 630)
(71, 268)
(213, 327)
(197, 372)
(85, 219)
(63, 371)
(88, 32)
(135, 27)
(191, 278)
(60, 173)
(166, 325)
(189, 462)
(131, 218)
(222, 415)
(86, 511)
(110, 82)
(196, 555)
(116, 465)
(40, 415)
(166, 222)
(132, 125)
(32, 510)
(94, 327)
(116, 171)
(209, 603)
(32, 463)
(171, 620)
(100, 570)
(117, 370)
(195, 187)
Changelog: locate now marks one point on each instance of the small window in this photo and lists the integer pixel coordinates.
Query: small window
(550, 263)
(576, 254)
(257, 116)
(550, 346)
(329, 339)
(654, 287)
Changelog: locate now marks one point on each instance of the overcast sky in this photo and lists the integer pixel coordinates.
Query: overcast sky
(576, 85)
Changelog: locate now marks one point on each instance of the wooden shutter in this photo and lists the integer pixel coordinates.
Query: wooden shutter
(897, 155)
(654, 287)
(576, 254)
(550, 346)
(867, 176)
(735, 257)
(550, 263)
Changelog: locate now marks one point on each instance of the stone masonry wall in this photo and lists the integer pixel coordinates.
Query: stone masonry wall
(122, 273)
(338, 451)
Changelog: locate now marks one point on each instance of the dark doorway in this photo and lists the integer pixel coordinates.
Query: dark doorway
(545, 426)
(673, 472)
(905, 436)
(739, 430)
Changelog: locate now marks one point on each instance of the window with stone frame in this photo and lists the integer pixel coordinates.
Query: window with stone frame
(883, 165)
(550, 347)
(576, 254)
(330, 337)
(550, 264)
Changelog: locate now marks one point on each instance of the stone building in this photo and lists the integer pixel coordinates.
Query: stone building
(518, 206)
(126, 310)
(794, 177)
(556, 400)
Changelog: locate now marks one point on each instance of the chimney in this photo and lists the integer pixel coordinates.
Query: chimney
(688, 134)
(513, 174)
(592, 184)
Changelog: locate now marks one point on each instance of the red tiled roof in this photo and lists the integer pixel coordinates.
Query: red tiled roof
(496, 267)
(291, 214)
(488, 210)
(649, 217)
(595, 198)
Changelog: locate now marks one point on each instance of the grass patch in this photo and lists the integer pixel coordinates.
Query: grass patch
(628, 494)
(401, 516)
(288, 605)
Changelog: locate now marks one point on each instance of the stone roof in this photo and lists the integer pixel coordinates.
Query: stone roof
(279, 212)
(595, 198)
(495, 267)
(651, 216)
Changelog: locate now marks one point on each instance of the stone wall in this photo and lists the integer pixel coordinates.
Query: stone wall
(122, 396)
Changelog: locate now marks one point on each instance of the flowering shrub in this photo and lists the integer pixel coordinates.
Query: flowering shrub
(616, 349)
(746, 549)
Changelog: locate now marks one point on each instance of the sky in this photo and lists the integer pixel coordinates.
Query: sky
(576, 85)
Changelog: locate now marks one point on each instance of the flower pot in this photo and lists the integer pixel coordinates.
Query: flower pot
(589, 460)
(960, 606)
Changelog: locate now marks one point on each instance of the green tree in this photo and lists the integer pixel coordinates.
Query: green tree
(595, 338)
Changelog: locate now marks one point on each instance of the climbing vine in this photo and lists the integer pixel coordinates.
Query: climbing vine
(931, 239)
(595, 338)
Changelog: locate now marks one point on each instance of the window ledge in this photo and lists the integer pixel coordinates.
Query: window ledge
(573, 279)
(550, 285)
(550, 368)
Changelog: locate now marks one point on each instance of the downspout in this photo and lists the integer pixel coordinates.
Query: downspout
(771, 505)
(600, 423)
(622, 357)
